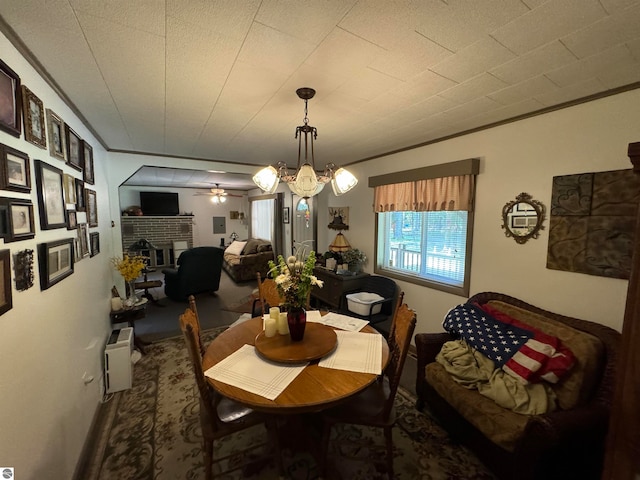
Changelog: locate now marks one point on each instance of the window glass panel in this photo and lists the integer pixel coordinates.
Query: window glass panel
(429, 245)
(262, 218)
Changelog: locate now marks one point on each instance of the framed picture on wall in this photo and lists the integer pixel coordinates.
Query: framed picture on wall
(87, 163)
(74, 144)
(69, 188)
(33, 111)
(18, 223)
(55, 260)
(72, 220)
(57, 141)
(94, 242)
(6, 302)
(80, 200)
(53, 212)
(15, 172)
(91, 203)
(83, 240)
(10, 101)
(285, 215)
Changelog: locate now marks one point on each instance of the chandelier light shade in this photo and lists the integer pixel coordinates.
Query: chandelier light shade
(306, 182)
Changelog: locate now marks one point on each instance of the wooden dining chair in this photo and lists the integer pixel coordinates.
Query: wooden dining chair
(268, 295)
(220, 416)
(375, 405)
(196, 326)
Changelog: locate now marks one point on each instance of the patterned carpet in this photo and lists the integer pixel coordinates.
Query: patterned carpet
(152, 432)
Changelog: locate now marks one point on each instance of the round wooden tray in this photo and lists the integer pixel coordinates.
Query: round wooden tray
(318, 341)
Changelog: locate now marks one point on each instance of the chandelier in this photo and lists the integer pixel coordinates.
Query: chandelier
(306, 182)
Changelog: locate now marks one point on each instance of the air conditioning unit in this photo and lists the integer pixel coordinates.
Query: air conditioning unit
(117, 360)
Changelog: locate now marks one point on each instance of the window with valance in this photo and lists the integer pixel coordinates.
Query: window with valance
(424, 224)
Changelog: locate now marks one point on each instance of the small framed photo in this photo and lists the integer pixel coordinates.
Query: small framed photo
(57, 140)
(72, 220)
(16, 174)
(74, 145)
(56, 261)
(69, 189)
(87, 163)
(17, 221)
(53, 213)
(94, 242)
(80, 200)
(6, 302)
(285, 215)
(10, 101)
(91, 203)
(33, 111)
(83, 240)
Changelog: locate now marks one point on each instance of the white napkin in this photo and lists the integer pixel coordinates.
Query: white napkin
(344, 322)
(356, 352)
(247, 370)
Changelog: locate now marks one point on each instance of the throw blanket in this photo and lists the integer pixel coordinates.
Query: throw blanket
(523, 352)
(472, 370)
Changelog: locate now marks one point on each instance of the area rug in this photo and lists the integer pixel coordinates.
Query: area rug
(242, 305)
(152, 431)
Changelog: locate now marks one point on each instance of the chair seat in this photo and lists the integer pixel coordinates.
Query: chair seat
(366, 408)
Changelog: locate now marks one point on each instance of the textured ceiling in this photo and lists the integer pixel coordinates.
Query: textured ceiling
(216, 79)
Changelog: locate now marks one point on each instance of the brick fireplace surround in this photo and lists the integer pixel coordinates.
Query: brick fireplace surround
(161, 232)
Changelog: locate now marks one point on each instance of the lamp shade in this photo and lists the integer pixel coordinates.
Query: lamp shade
(343, 181)
(340, 244)
(267, 179)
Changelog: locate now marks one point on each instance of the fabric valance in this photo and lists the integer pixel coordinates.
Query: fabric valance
(434, 194)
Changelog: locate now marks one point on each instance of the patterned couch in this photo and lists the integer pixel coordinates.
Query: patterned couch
(243, 259)
(568, 440)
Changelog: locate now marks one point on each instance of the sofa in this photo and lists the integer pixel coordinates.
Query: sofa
(565, 441)
(198, 270)
(243, 259)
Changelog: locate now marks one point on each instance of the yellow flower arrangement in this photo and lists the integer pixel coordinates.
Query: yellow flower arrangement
(129, 266)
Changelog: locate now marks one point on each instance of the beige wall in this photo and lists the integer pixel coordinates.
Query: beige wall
(51, 338)
(518, 157)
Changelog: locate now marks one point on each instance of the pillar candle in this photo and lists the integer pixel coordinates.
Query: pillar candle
(270, 327)
(116, 304)
(274, 312)
(283, 324)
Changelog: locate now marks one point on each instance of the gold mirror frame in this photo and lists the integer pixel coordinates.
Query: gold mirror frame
(522, 218)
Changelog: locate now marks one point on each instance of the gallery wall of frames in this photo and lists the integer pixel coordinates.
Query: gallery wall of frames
(59, 195)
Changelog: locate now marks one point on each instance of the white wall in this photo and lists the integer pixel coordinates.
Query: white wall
(518, 157)
(203, 212)
(51, 338)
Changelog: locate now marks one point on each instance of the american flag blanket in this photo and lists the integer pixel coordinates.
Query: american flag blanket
(520, 350)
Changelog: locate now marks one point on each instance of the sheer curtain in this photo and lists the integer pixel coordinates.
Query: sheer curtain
(263, 219)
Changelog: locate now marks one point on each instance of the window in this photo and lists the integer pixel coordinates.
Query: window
(262, 218)
(425, 224)
(425, 246)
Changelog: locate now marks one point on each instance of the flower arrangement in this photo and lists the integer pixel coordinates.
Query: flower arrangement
(129, 266)
(294, 278)
(354, 256)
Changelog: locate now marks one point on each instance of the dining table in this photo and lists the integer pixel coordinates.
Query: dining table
(314, 389)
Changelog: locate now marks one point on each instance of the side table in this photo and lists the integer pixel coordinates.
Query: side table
(130, 315)
(335, 286)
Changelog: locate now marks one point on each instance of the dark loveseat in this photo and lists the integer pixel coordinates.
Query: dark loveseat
(565, 443)
(199, 270)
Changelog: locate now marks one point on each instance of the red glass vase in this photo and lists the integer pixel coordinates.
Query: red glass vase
(297, 320)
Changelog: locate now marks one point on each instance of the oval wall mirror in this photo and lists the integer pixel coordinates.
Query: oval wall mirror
(522, 218)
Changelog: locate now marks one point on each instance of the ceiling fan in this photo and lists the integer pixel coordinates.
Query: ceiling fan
(218, 195)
